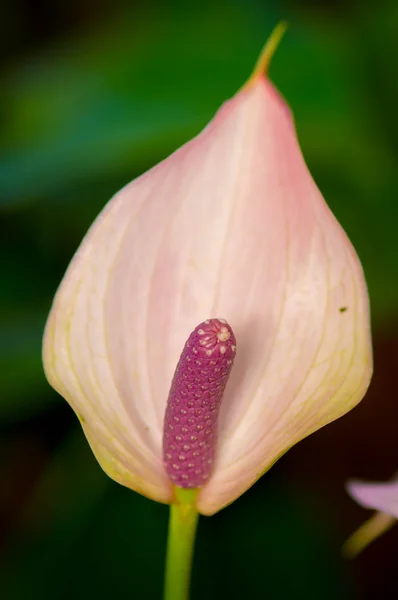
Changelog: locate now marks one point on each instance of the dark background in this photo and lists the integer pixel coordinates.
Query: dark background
(93, 93)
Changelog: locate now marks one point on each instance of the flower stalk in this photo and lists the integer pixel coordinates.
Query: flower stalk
(268, 51)
(180, 544)
(373, 528)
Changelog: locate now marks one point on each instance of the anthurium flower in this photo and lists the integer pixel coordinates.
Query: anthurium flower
(231, 225)
(382, 497)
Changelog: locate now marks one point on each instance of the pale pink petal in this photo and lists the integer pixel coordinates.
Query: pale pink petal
(229, 226)
(378, 496)
(292, 288)
(78, 364)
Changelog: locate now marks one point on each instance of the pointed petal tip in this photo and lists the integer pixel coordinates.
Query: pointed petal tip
(267, 53)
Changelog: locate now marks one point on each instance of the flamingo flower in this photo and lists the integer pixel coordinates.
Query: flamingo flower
(381, 497)
(231, 232)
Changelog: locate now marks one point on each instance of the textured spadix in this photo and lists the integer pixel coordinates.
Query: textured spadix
(190, 424)
(231, 224)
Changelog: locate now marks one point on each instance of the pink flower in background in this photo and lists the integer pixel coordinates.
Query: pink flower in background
(231, 225)
(382, 497)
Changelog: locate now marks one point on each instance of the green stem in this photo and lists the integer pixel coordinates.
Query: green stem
(180, 543)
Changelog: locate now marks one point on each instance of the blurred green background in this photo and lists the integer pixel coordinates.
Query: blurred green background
(92, 94)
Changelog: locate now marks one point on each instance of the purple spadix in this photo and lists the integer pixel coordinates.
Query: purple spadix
(190, 423)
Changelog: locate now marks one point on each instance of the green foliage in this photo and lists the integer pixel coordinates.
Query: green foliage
(84, 113)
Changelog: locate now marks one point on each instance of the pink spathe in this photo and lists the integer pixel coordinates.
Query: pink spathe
(231, 224)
